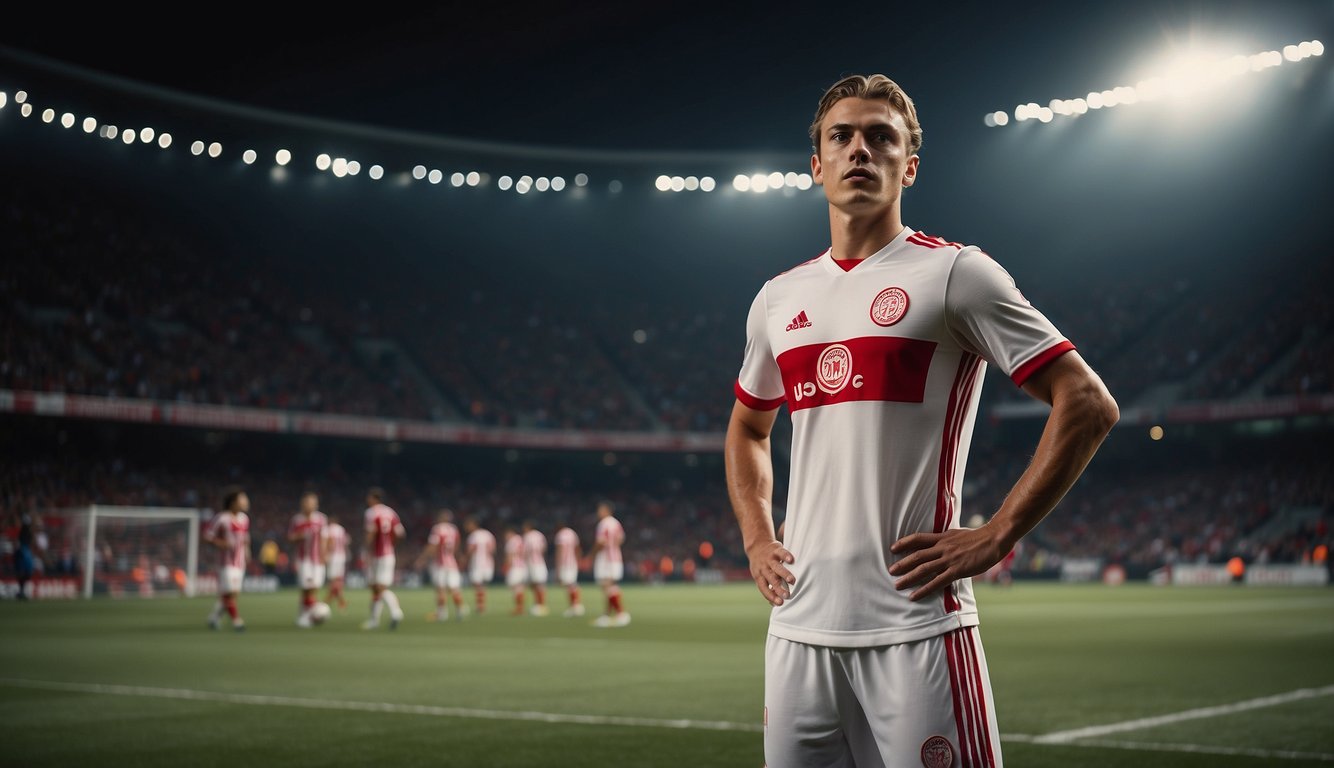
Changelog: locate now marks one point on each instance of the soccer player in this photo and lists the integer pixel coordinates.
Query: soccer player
(442, 550)
(481, 560)
(306, 531)
(229, 531)
(608, 568)
(568, 553)
(516, 568)
(335, 554)
(535, 559)
(383, 528)
(878, 346)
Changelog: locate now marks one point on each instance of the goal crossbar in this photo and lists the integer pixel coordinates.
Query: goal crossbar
(94, 512)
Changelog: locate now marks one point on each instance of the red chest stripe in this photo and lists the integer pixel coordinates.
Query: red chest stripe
(879, 368)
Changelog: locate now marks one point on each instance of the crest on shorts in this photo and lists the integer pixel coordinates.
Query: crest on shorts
(937, 752)
(890, 306)
(834, 368)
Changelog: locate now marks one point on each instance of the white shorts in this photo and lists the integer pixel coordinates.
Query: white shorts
(537, 573)
(481, 574)
(567, 575)
(445, 578)
(608, 570)
(229, 580)
(309, 575)
(382, 571)
(517, 576)
(337, 567)
(921, 703)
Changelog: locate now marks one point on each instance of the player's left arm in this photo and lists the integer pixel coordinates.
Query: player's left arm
(1082, 413)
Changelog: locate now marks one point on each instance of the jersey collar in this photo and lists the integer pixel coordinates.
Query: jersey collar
(827, 260)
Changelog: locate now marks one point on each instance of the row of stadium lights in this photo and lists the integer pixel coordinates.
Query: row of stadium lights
(1188, 79)
(342, 167)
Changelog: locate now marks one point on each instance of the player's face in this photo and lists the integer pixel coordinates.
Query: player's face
(863, 161)
(243, 503)
(309, 503)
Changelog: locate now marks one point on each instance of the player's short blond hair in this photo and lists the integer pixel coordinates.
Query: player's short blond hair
(869, 87)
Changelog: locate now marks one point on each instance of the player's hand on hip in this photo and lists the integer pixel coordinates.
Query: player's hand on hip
(768, 566)
(932, 561)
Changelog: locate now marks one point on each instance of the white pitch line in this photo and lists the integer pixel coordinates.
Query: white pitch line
(1201, 749)
(1063, 737)
(384, 707)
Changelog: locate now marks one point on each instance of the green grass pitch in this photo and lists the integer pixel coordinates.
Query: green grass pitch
(1061, 658)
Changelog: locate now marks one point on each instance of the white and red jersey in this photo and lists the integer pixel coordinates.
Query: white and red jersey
(881, 368)
(234, 528)
(535, 549)
(514, 550)
(310, 547)
(567, 548)
(445, 538)
(482, 549)
(336, 535)
(382, 524)
(611, 536)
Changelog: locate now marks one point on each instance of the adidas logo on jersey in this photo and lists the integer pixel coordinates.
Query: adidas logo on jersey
(799, 321)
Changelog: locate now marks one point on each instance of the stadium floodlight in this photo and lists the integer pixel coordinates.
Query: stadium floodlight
(376, 172)
(196, 149)
(20, 97)
(164, 140)
(214, 149)
(790, 179)
(89, 124)
(707, 184)
(542, 184)
(48, 115)
(25, 110)
(775, 180)
(456, 179)
(678, 183)
(581, 179)
(248, 156)
(67, 120)
(504, 183)
(418, 172)
(435, 176)
(615, 186)
(353, 167)
(691, 183)
(804, 181)
(663, 183)
(523, 185)
(146, 135)
(128, 135)
(282, 157)
(474, 178)
(741, 183)
(759, 182)
(557, 183)
(323, 161)
(4, 99)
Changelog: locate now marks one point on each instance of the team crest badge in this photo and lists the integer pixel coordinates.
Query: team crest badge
(937, 752)
(890, 306)
(834, 368)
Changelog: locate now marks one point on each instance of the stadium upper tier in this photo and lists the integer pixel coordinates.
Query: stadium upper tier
(102, 298)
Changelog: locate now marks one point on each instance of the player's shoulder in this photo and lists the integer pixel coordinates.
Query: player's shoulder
(922, 240)
(804, 268)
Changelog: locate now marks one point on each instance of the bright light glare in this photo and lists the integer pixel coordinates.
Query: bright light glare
(20, 97)
(89, 124)
(581, 179)
(353, 167)
(48, 115)
(691, 183)
(214, 149)
(504, 183)
(804, 181)
(435, 176)
(542, 184)
(164, 140)
(25, 110)
(1002, 117)
(419, 172)
(196, 149)
(248, 156)
(4, 99)
(474, 178)
(741, 183)
(456, 179)
(663, 183)
(67, 120)
(323, 161)
(282, 157)
(678, 184)
(146, 135)
(376, 172)
(127, 136)
(775, 180)
(707, 184)
(759, 182)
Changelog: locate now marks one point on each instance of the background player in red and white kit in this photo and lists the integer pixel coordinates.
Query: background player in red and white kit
(535, 559)
(516, 568)
(307, 532)
(229, 531)
(873, 656)
(383, 528)
(608, 566)
(335, 556)
(481, 547)
(568, 553)
(442, 551)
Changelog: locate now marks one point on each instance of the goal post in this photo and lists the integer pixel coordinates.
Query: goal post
(141, 551)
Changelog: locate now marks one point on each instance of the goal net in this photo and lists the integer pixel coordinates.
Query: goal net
(125, 551)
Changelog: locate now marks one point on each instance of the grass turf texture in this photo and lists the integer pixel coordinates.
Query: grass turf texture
(1061, 657)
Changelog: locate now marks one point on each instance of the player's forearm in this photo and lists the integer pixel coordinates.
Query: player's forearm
(1079, 421)
(750, 483)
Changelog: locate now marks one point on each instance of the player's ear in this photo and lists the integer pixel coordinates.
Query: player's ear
(910, 171)
(817, 170)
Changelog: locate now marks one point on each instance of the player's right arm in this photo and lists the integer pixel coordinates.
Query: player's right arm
(750, 485)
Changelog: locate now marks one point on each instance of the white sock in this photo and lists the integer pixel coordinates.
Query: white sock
(389, 597)
(217, 611)
(377, 608)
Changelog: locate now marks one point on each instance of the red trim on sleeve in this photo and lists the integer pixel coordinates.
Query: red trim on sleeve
(753, 402)
(1039, 361)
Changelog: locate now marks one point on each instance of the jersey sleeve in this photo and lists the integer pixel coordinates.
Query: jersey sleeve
(759, 385)
(987, 315)
(434, 537)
